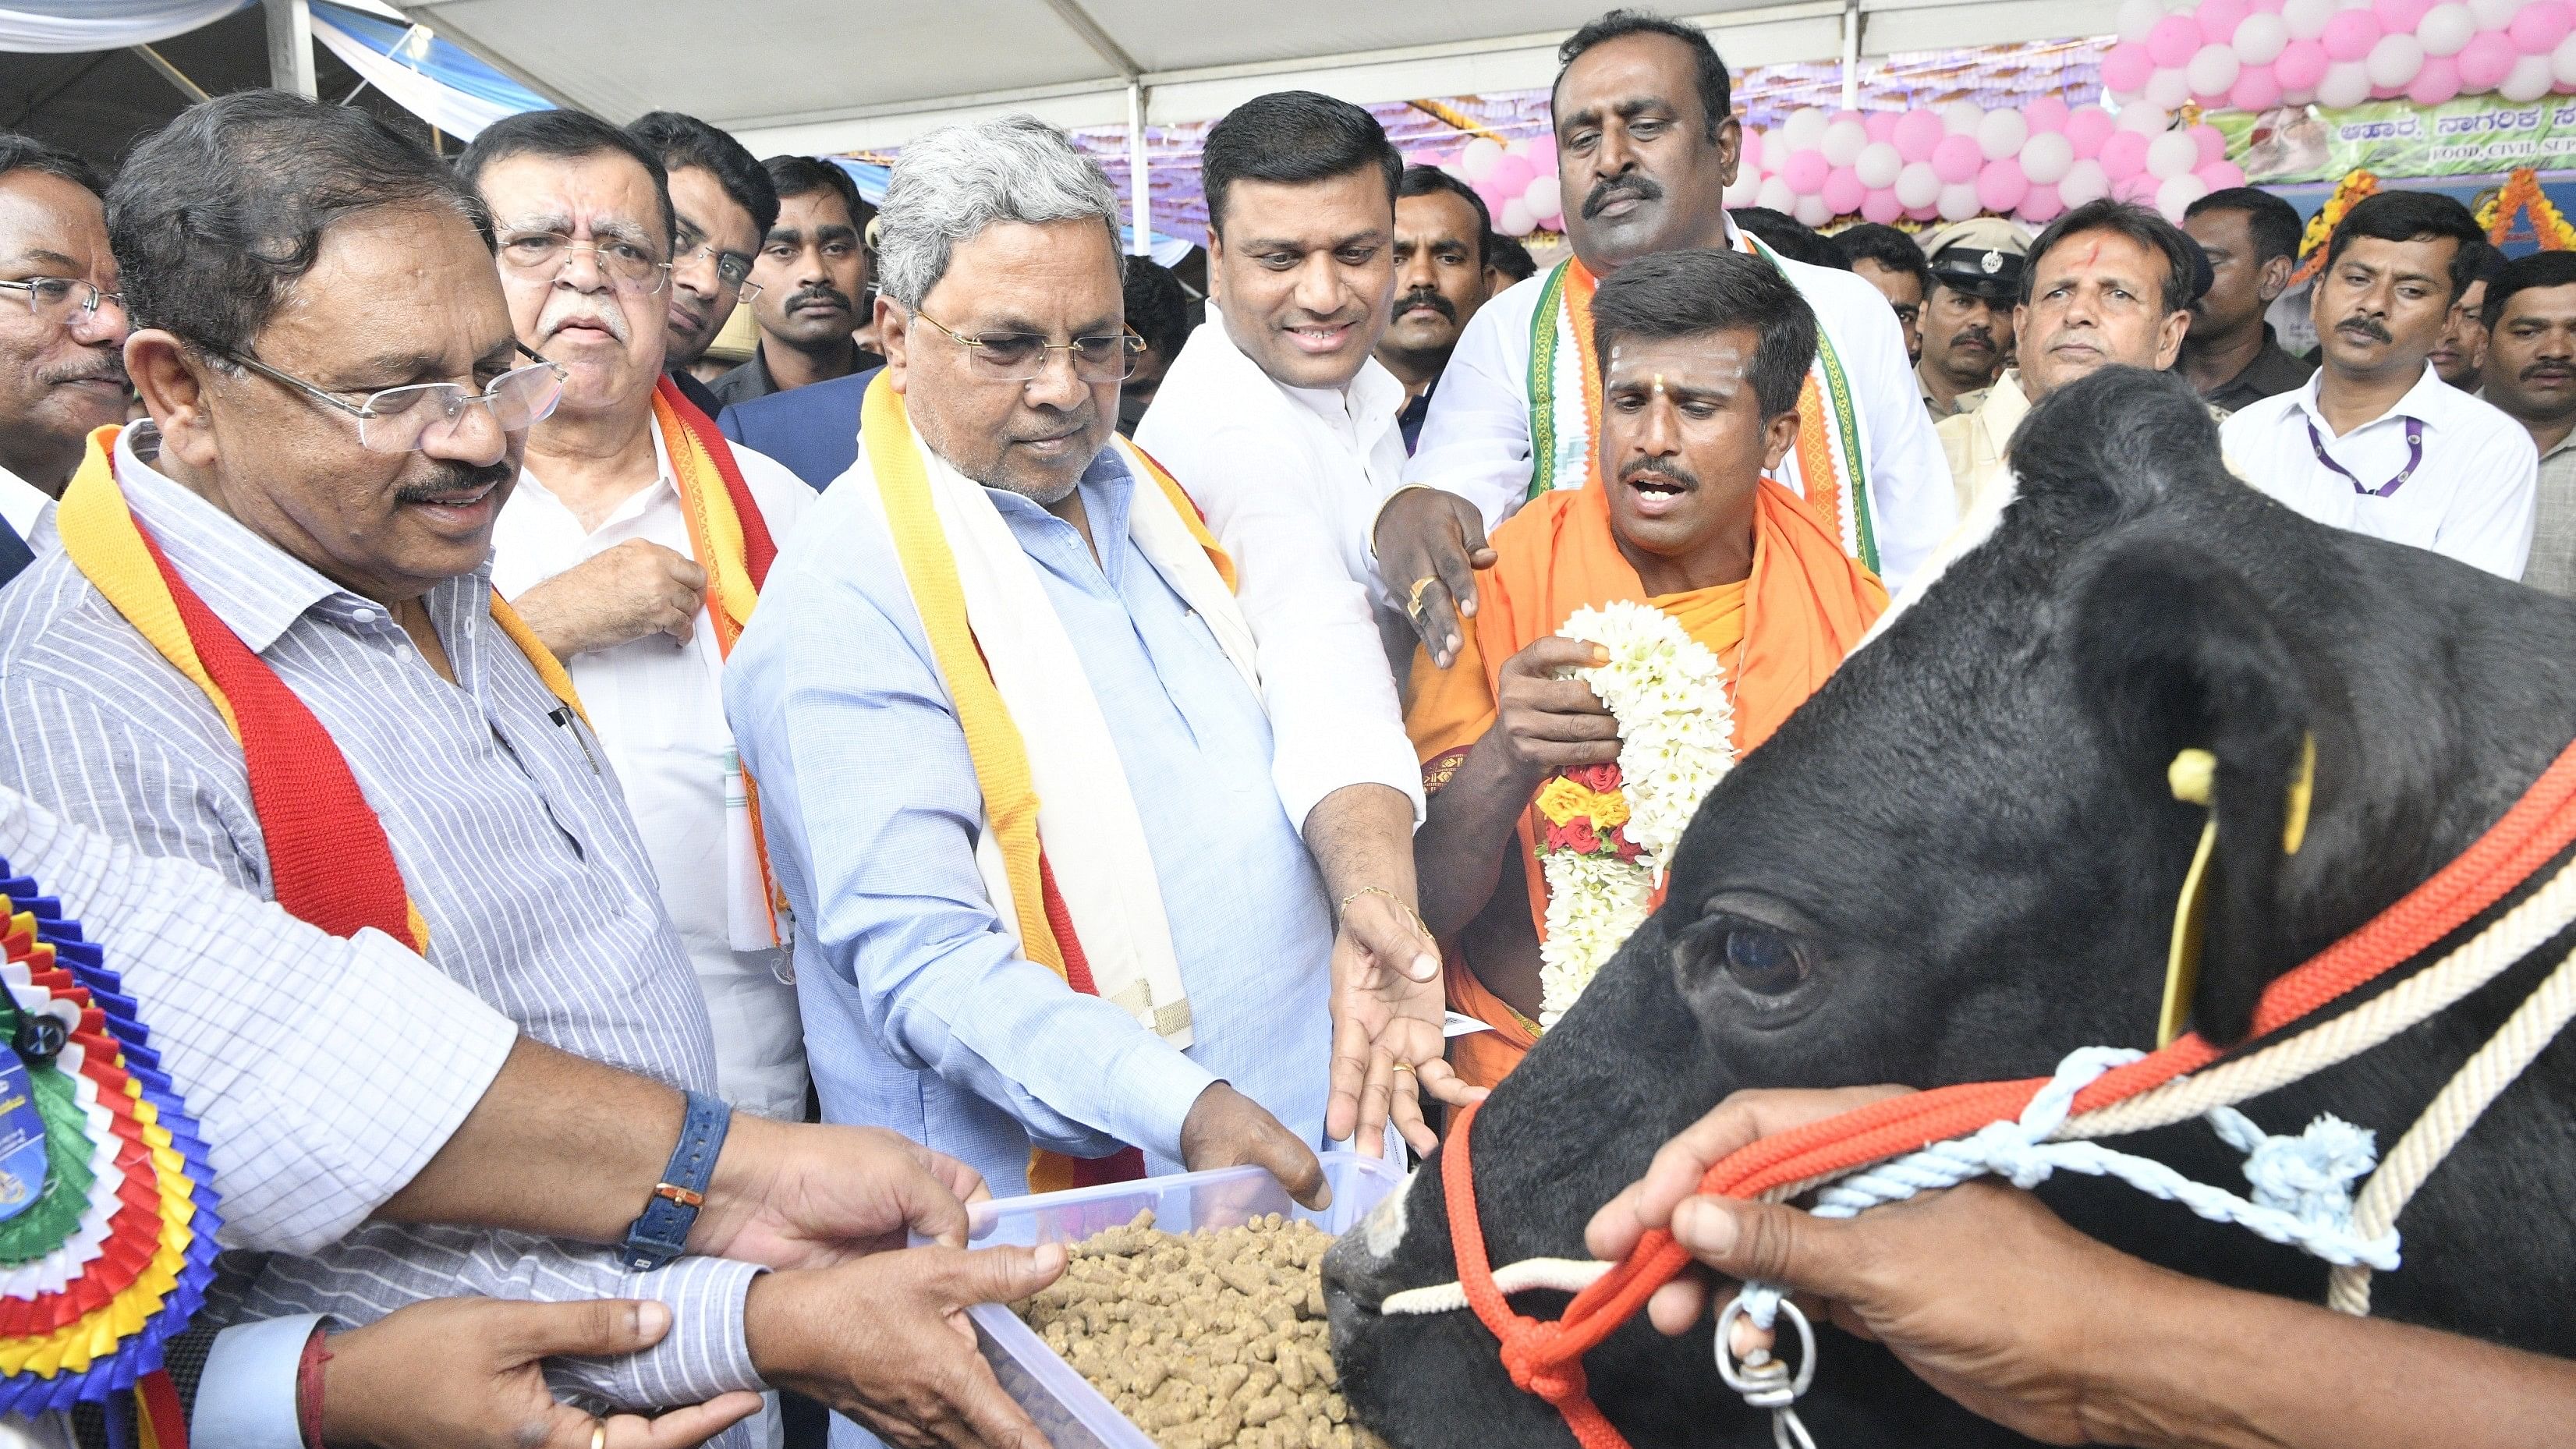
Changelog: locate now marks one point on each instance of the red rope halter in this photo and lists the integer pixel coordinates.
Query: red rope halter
(1546, 1358)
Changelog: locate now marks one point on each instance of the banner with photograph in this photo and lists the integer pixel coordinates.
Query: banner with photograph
(2475, 137)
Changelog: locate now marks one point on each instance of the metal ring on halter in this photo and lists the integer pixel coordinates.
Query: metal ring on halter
(1735, 1378)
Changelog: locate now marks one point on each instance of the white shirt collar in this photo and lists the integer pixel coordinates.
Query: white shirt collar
(23, 504)
(665, 482)
(2430, 401)
(1356, 412)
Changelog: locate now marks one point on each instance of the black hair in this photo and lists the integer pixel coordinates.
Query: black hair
(19, 152)
(2406, 216)
(2272, 223)
(1790, 237)
(216, 215)
(2486, 261)
(803, 176)
(1890, 249)
(2176, 290)
(563, 136)
(1157, 309)
(1432, 181)
(687, 141)
(1699, 290)
(1292, 137)
(1508, 256)
(1716, 98)
(2540, 269)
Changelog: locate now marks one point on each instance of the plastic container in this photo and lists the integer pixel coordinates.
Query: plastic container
(1068, 1411)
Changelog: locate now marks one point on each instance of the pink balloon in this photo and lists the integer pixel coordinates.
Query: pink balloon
(1957, 159)
(2485, 61)
(2048, 113)
(2040, 205)
(2126, 66)
(2171, 43)
(1806, 171)
(2539, 28)
(2001, 186)
(1880, 205)
(2400, 16)
(1924, 213)
(2302, 64)
(1916, 133)
(1495, 197)
(2437, 82)
(1843, 192)
(2140, 188)
(1511, 175)
(2256, 89)
(2220, 175)
(2212, 141)
(2088, 127)
(2351, 34)
(2270, 7)
(2219, 19)
(1881, 125)
(2124, 155)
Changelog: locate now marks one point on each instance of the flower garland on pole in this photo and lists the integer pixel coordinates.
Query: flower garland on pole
(2321, 228)
(2521, 194)
(1607, 832)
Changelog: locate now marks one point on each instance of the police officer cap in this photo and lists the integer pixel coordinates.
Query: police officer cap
(1982, 256)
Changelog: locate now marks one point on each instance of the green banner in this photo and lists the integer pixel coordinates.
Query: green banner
(2399, 138)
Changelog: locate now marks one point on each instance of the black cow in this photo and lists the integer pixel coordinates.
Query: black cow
(1967, 845)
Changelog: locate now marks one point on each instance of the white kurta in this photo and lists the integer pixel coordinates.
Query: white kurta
(659, 709)
(1476, 441)
(30, 511)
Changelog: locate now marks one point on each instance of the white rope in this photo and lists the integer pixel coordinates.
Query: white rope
(1565, 1275)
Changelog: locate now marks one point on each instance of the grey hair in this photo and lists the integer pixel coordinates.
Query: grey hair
(951, 184)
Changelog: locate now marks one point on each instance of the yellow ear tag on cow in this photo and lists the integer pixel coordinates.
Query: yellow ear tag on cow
(2193, 777)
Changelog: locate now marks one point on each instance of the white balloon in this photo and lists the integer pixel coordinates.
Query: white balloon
(2137, 17)
(2306, 19)
(2001, 133)
(2046, 156)
(1805, 128)
(1545, 199)
(2562, 63)
(1843, 142)
(2177, 193)
(2153, 120)
(2394, 60)
(1961, 118)
(2446, 29)
(2174, 153)
(2261, 38)
(2085, 181)
(1516, 219)
(2346, 84)
(2212, 70)
(1811, 210)
(1918, 184)
(1775, 194)
(2529, 80)
(1744, 190)
(2166, 90)
(1479, 157)
(1879, 162)
(1959, 202)
(2494, 14)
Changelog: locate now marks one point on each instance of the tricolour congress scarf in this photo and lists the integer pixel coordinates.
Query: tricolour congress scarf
(1063, 854)
(1564, 386)
(329, 862)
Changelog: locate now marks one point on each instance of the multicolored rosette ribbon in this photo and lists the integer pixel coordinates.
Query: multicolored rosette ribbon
(115, 1253)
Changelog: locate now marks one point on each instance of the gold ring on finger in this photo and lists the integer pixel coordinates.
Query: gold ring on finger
(1404, 1066)
(599, 1434)
(1413, 601)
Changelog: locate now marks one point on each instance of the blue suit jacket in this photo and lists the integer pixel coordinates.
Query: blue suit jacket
(813, 430)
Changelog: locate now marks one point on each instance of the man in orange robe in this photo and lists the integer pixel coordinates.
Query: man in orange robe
(1702, 353)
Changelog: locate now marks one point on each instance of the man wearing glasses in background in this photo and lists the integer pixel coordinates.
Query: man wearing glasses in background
(722, 203)
(634, 545)
(62, 331)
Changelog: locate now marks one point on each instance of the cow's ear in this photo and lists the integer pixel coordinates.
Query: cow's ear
(2176, 652)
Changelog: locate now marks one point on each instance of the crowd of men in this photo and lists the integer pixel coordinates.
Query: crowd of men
(497, 752)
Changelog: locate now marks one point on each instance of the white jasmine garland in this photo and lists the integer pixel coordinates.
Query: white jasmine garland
(1677, 740)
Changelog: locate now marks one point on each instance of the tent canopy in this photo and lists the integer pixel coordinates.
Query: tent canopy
(818, 76)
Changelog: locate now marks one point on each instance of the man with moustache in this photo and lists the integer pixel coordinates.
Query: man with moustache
(1441, 228)
(2108, 284)
(268, 645)
(634, 545)
(1967, 324)
(2231, 354)
(2376, 442)
(1646, 145)
(812, 272)
(2531, 374)
(2460, 353)
(723, 204)
(62, 329)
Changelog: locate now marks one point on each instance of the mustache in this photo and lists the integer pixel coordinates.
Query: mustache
(1054, 422)
(454, 477)
(1644, 188)
(1973, 333)
(565, 306)
(104, 366)
(1672, 468)
(2547, 369)
(819, 292)
(1426, 297)
(2364, 327)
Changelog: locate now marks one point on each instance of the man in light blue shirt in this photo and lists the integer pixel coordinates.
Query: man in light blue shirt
(922, 1012)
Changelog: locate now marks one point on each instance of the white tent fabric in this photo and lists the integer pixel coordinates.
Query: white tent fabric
(65, 27)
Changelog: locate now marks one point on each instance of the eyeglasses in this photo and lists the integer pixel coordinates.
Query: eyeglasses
(542, 255)
(733, 273)
(427, 414)
(53, 299)
(1024, 356)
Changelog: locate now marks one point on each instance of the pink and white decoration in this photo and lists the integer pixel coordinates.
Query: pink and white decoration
(1518, 182)
(2252, 55)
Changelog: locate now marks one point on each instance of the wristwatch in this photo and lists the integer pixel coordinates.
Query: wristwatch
(661, 1231)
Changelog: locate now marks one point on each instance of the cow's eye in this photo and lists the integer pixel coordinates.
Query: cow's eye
(1762, 960)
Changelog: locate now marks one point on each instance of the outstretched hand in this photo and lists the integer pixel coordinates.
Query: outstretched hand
(1390, 1017)
(793, 1195)
(1429, 545)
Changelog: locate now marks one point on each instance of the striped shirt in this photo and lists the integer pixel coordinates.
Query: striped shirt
(510, 833)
